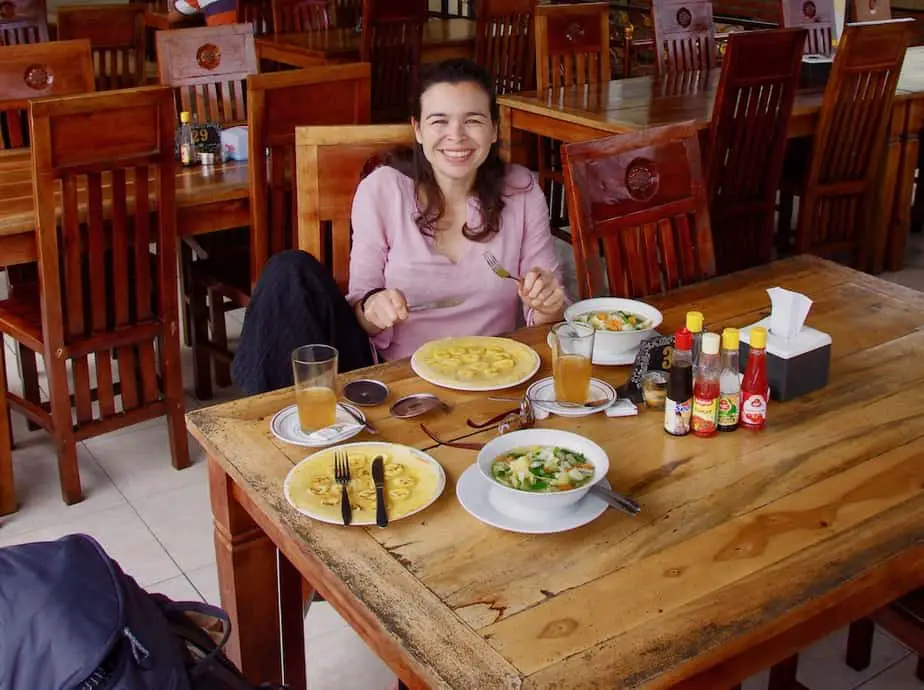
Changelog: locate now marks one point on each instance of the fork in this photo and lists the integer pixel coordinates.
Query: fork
(342, 477)
(495, 266)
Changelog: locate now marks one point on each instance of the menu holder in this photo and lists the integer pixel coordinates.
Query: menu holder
(654, 354)
(207, 137)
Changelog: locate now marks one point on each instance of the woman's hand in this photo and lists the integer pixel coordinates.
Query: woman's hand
(542, 292)
(383, 310)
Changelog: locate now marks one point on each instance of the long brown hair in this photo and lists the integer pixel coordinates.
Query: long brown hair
(489, 179)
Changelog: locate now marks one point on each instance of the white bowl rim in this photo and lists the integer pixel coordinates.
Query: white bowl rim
(574, 310)
(521, 492)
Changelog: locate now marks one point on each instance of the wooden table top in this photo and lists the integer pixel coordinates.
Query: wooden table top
(741, 537)
(344, 43)
(195, 186)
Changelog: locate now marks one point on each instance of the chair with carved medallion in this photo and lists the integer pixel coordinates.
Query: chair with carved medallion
(290, 16)
(817, 18)
(117, 38)
(642, 197)
(104, 179)
(684, 35)
(572, 49)
(392, 39)
(23, 21)
(504, 43)
(747, 143)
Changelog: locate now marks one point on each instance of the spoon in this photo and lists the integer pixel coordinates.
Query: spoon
(359, 420)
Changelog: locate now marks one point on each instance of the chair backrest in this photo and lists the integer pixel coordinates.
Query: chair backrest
(871, 10)
(278, 103)
(330, 162)
(817, 18)
(257, 13)
(684, 35)
(116, 35)
(58, 68)
(301, 15)
(104, 178)
(747, 142)
(346, 13)
(642, 197)
(504, 42)
(843, 177)
(572, 45)
(208, 69)
(23, 21)
(391, 42)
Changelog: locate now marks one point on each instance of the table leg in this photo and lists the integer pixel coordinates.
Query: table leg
(292, 615)
(247, 580)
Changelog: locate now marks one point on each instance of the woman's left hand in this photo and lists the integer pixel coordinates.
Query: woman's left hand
(541, 291)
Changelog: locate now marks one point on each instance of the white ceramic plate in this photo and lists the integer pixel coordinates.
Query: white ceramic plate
(473, 492)
(544, 389)
(285, 427)
(620, 359)
(390, 448)
(486, 386)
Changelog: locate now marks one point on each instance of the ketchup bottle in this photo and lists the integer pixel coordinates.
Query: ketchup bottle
(754, 388)
(704, 421)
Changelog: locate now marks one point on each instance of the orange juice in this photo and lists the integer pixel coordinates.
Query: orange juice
(572, 378)
(317, 408)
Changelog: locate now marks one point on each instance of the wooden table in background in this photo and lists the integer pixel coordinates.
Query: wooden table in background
(627, 105)
(749, 546)
(207, 201)
(442, 39)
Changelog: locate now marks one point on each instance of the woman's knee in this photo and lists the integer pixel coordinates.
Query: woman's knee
(293, 260)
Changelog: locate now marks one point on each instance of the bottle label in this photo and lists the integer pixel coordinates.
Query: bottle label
(677, 417)
(185, 154)
(728, 409)
(703, 419)
(753, 409)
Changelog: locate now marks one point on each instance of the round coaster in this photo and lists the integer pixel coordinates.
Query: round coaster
(365, 392)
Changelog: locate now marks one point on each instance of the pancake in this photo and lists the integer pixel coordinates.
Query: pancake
(475, 362)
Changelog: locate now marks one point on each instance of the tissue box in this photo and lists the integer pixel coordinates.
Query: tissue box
(794, 367)
(234, 143)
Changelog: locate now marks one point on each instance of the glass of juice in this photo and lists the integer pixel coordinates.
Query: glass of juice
(315, 371)
(572, 354)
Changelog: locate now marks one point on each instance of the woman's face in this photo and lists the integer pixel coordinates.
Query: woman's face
(455, 129)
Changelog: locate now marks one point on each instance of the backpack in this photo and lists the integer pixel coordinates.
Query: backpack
(71, 619)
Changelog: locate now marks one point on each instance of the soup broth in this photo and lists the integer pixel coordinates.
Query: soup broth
(542, 469)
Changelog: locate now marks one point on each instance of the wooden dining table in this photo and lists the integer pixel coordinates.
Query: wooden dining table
(207, 199)
(749, 545)
(628, 105)
(442, 39)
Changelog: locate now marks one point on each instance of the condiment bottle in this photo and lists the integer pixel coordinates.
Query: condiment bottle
(706, 388)
(729, 382)
(695, 326)
(678, 405)
(187, 145)
(754, 389)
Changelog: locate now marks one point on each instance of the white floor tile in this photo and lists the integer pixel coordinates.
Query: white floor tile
(181, 519)
(122, 534)
(898, 677)
(178, 588)
(822, 665)
(342, 661)
(205, 580)
(323, 620)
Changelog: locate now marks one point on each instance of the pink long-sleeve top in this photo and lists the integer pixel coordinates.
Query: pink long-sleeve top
(389, 251)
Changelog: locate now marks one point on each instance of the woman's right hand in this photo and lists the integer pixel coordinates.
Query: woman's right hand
(384, 309)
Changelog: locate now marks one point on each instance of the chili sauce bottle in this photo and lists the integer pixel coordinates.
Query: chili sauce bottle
(703, 421)
(729, 382)
(678, 405)
(754, 388)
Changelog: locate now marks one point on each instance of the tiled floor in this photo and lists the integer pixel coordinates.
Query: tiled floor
(156, 522)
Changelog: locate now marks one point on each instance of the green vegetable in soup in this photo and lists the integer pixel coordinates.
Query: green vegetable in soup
(542, 469)
(614, 320)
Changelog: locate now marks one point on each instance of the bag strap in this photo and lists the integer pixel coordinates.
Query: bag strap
(213, 648)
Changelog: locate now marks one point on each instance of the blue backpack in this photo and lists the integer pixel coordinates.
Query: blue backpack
(70, 619)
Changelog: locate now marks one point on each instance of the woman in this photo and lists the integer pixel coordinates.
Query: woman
(421, 224)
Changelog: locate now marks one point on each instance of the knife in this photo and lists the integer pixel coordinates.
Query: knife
(438, 304)
(378, 477)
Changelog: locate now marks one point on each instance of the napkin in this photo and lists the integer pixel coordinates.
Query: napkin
(788, 311)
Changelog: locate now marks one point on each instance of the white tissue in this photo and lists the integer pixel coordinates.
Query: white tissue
(788, 311)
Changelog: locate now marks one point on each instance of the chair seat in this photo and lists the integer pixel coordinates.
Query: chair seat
(21, 315)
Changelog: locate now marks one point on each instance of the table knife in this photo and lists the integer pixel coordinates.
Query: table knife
(438, 304)
(378, 477)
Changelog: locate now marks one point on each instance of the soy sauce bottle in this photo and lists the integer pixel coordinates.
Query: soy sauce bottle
(679, 402)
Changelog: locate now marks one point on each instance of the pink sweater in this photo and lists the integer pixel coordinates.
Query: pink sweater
(389, 251)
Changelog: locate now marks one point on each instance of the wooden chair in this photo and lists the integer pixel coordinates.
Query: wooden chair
(208, 67)
(684, 35)
(903, 620)
(23, 21)
(643, 197)
(330, 162)
(871, 10)
(291, 16)
(747, 143)
(504, 43)
(840, 190)
(347, 13)
(257, 13)
(116, 35)
(817, 18)
(277, 104)
(391, 42)
(105, 164)
(572, 49)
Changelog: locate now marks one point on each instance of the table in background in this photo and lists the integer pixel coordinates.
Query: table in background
(749, 545)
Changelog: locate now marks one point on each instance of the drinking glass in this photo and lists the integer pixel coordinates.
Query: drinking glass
(572, 355)
(315, 370)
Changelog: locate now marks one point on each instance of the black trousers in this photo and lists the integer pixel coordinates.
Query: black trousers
(296, 302)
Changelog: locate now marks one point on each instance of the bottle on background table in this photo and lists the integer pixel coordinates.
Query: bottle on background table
(187, 145)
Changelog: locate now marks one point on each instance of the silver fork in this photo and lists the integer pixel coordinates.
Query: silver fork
(342, 477)
(495, 266)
